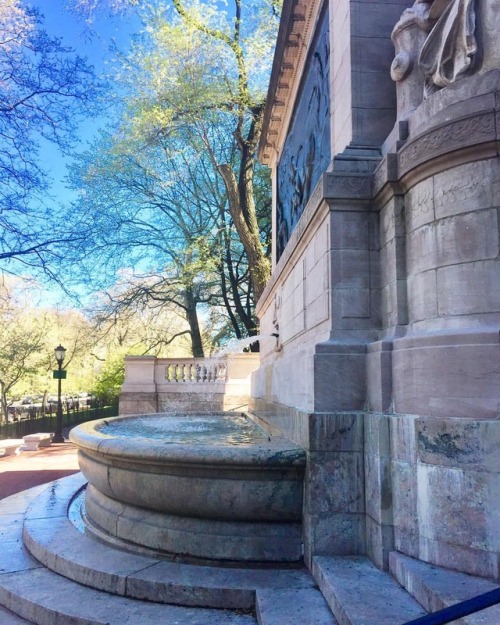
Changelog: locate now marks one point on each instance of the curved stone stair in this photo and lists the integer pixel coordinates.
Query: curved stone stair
(55, 575)
(52, 574)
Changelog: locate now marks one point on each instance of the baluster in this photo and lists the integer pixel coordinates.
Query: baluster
(222, 372)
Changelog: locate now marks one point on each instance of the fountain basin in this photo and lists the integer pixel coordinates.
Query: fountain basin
(211, 487)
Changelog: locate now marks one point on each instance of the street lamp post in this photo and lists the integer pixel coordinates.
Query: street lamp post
(60, 352)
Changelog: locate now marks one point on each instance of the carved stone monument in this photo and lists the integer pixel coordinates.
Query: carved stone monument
(382, 135)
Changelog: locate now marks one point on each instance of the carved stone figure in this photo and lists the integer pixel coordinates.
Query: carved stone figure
(449, 50)
(408, 37)
(435, 46)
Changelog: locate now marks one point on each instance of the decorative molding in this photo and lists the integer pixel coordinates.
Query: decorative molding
(347, 186)
(297, 24)
(459, 134)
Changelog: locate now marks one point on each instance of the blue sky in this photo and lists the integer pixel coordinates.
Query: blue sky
(93, 44)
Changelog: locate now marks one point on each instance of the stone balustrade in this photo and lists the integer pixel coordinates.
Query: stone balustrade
(194, 370)
(187, 385)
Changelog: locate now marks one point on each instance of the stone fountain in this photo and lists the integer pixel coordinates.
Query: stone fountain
(381, 400)
(205, 488)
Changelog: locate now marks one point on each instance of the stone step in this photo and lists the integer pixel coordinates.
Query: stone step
(55, 542)
(306, 606)
(9, 618)
(360, 594)
(45, 598)
(437, 588)
(34, 593)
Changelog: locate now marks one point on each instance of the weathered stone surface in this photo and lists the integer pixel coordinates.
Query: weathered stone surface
(467, 188)
(378, 489)
(436, 588)
(445, 375)
(461, 239)
(422, 297)
(42, 597)
(403, 438)
(413, 313)
(405, 512)
(379, 542)
(286, 606)
(340, 377)
(337, 431)
(457, 507)
(58, 545)
(359, 594)
(379, 377)
(461, 443)
(482, 280)
(9, 618)
(190, 537)
(335, 483)
(334, 534)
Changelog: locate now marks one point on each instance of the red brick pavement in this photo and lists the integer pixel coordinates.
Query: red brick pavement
(32, 468)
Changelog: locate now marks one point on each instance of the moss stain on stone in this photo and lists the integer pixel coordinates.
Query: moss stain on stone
(443, 444)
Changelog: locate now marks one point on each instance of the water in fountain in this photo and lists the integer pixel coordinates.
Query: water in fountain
(234, 346)
(218, 430)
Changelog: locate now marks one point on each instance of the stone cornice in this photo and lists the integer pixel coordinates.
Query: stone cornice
(295, 34)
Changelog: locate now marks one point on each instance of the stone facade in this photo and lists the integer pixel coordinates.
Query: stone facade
(386, 296)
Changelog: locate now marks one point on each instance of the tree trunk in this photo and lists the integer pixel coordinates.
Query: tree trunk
(194, 326)
(248, 230)
(242, 203)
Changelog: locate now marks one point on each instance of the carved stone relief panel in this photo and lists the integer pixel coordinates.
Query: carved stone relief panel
(306, 152)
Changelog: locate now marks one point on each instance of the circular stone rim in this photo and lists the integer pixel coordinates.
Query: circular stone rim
(276, 452)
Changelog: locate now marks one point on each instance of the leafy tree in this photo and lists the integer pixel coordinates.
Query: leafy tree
(22, 337)
(110, 380)
(202, 68)
(44, 90)
(163, 209)
(177, 188)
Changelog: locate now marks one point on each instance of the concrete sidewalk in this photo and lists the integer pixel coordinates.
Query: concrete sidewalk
(32, 468)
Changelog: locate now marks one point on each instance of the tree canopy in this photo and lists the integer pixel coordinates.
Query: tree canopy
(44, 91)
(174, 189)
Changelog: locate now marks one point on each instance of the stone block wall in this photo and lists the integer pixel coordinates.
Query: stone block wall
(387, 302)
(435, 372)
(445, 476)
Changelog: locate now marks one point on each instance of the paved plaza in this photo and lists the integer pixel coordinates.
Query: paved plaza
(32, 468)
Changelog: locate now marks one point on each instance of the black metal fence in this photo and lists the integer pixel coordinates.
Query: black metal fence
(31, 424)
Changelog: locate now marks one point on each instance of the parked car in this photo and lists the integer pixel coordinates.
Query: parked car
(14, 413)
(72, 402)
(51, 404)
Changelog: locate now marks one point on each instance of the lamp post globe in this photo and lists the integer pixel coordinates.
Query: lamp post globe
(59, 352)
